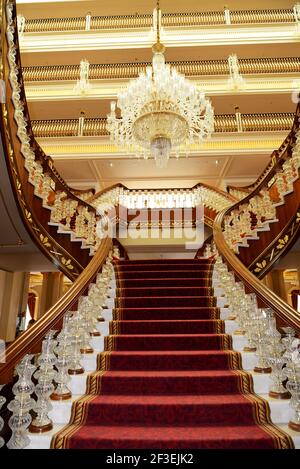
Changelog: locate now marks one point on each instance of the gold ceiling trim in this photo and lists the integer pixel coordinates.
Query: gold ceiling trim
(190, 69)
(271, 122)
(99, 150)
(193, 19)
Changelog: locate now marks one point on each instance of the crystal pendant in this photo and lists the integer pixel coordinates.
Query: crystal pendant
(160, 150)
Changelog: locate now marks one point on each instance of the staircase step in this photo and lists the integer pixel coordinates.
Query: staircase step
(168, 327)
(161, 273)
(168, 377)
(166, 282)
(162, 261)
(163, 301)
(160, 437)
(170, 360)
(164, 291)
(141, 267)
(170, 410)
(165, 313)
(171, 342)
(167, 382)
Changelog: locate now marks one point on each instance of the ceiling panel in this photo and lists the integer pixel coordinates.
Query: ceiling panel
(146, 169)
(247, 165)
(78, 170)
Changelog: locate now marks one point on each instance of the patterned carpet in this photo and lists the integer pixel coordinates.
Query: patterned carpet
(168, 378)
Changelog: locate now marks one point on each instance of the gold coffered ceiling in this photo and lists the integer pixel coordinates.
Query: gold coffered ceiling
(269, 62)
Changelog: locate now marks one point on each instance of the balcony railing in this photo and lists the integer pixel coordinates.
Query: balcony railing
(190, 69)
(223, 124)
(193, 19)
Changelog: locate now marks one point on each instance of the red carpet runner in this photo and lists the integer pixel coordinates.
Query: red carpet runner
(168, 378)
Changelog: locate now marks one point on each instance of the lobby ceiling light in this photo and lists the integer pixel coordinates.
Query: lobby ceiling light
(160, 113)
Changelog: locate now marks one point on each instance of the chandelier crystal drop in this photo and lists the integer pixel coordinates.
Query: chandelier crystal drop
(160, 113)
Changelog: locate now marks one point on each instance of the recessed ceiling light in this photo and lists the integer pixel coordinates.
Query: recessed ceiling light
(111, 165)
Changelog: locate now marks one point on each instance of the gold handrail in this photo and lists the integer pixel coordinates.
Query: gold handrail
(200, 18)
(188, 68)
(30, 341)
(267, 296)
(224, 123)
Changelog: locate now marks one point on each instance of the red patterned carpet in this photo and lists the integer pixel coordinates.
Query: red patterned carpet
(168, 378)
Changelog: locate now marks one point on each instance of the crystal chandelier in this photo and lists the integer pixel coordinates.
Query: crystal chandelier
(161, 113)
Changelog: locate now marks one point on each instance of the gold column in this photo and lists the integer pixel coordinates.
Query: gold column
(13, 300)
(52, 290)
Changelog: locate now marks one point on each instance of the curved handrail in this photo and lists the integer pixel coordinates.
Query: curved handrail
(281, 309)
(104, 191)
(30, 341)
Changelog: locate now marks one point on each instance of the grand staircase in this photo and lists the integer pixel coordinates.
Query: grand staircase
(168, 376)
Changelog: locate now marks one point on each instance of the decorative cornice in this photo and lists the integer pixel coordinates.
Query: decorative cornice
(219, 85)
(220, 144)
(172, 37)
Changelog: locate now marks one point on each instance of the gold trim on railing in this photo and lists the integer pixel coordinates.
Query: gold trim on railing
(267, 296)
(223, 124)
(30, 341)
(262, 16)
(200, 18)
(190, 69)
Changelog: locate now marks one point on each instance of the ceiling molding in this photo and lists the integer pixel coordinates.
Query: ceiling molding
(109, 89)
(99, 148)
(183, 37)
